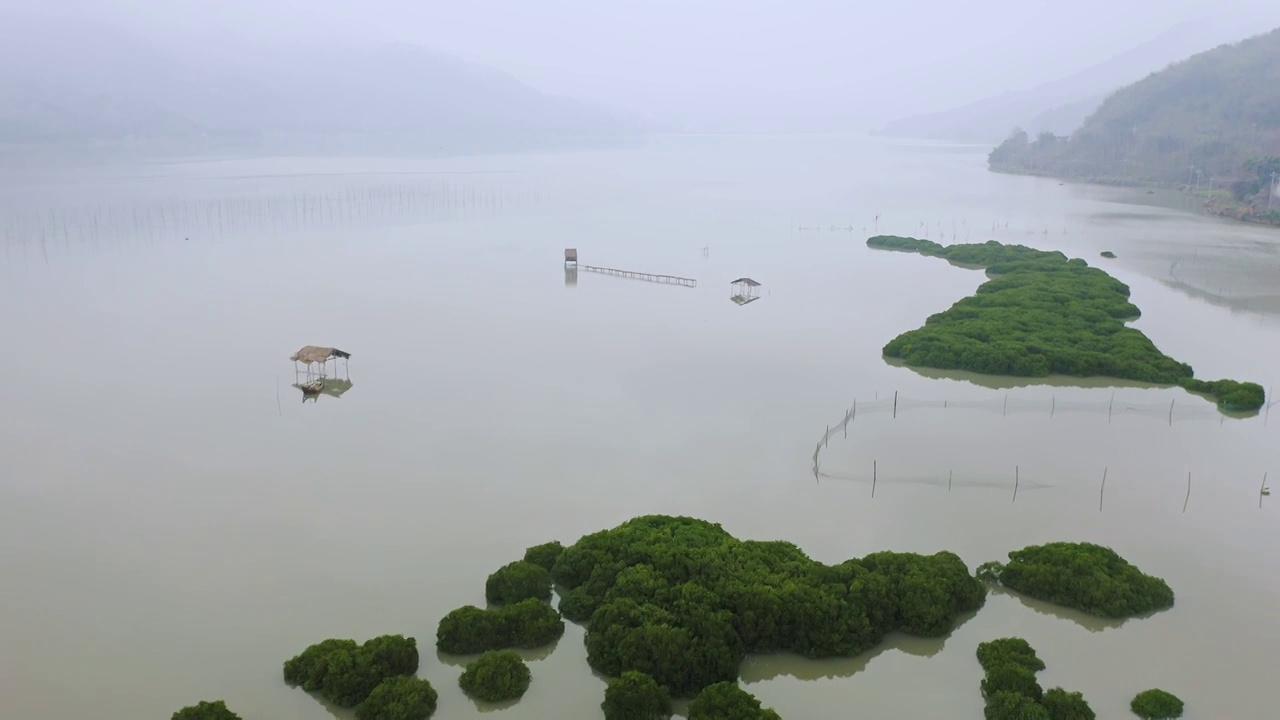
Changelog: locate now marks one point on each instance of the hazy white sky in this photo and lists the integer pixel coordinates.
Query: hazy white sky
(803, 60)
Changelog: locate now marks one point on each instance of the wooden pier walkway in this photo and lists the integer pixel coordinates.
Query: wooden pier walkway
(648, 277)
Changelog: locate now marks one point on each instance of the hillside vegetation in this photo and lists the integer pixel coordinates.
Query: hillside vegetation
(1214, 116)
(1043, 314)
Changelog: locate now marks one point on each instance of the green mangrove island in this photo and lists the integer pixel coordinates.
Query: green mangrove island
(496, 676)
(1156, 704)
(672, 606)
(1011, 691)
(376, 677)
(1082, 576)
(1039, 314)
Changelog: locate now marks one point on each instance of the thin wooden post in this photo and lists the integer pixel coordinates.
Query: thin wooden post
(1103, 489)
(855, 407)
(895, 404)
(1054, 406)
(826, 438)
(1015, 483)
(1005, 411)
(846, 426)
(1171, 402)
(1111, 405)
(873, 478)
(1262, 490)
(1188, 499)
(948, 481)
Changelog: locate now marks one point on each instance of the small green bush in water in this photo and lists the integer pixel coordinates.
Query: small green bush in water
(635, 696)
(496, 676)
(725, 700)
(1011, 691)
(1009, 651)
(344, 672)
(518, 581)
(205, 710)
(1108, 254)
(1156, 705)
(399, 698)
(1083, 576)
(526, 624)
(1043, 314)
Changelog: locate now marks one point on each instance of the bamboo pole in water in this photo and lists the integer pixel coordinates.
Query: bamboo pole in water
(1188, 498)
(1015, 483)
(1103, 489)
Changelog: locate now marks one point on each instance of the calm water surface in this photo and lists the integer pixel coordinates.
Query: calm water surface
(174, 522)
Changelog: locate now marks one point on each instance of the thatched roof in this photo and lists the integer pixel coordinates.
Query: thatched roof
(314, 354)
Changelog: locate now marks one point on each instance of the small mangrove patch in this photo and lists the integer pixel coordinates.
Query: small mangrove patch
(1083, 576)
(496, 676)
(1042, 314)
(1012, 692)
(1156, 704)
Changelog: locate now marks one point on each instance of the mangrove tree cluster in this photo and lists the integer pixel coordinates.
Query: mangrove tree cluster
(726, 700)
(635, 696)
(1042, 314)
(206, 710)
(1011, 691)
(345, 672)
(496, 676)
(1156, 704)
(1087, 577)
(403, 697)
(683, 601)
(529, 623)
(520, 580)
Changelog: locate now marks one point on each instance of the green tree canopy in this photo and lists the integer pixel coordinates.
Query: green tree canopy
(206, 710)
(496, 676)
(1156, 704)
(683, 601)
(403, 697)
(635, 696)
(1043, 314)
(1063, 705)
(518, 581)
(544, 555)
(725, 700)
(344, 672)
(1009, 651)
(1011, 678)
(1084, 576)
(1014, 706)
(528, 623)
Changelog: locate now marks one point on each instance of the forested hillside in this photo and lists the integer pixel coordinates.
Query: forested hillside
(1211, 121)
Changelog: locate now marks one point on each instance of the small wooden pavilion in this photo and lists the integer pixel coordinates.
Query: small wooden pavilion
(743, 290)
(315, 359)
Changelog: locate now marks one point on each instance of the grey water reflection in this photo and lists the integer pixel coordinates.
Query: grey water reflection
(1089, 622)
(762, 668)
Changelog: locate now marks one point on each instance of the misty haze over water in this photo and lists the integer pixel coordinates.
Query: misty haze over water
(190, 192)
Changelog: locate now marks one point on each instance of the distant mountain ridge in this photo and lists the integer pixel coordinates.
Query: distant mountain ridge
(88, 83)
(1062, 105)
(1212, 119)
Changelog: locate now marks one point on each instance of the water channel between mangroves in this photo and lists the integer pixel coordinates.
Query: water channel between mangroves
(174, 522)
